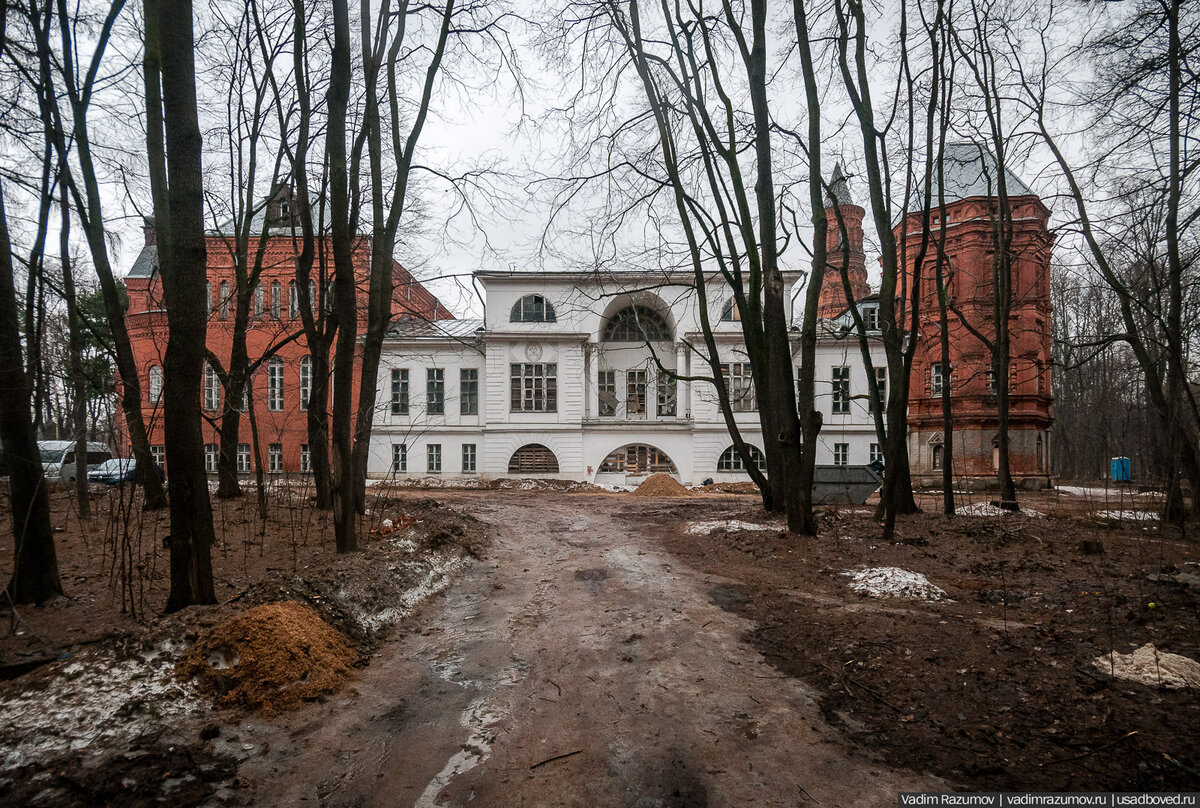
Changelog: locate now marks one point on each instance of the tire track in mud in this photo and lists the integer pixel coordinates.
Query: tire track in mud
(575, 666)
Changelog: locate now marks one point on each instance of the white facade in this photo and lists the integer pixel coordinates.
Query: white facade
(569, 382)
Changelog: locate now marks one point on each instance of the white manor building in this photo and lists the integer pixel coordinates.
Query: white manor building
(558, 381)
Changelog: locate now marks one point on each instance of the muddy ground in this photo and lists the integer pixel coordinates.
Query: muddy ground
(599, 653)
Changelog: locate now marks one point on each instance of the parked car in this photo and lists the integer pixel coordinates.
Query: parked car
(58, 458)
(117, 470)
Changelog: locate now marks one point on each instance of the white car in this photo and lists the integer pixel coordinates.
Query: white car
(58, 458)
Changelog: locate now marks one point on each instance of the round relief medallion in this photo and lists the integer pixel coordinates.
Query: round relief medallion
(533, 352)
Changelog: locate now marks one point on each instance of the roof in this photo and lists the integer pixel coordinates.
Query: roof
(408, 327)
(146, 264)
(969, 170)
(839, 189)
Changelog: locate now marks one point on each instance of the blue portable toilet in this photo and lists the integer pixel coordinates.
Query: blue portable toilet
(1120, 470)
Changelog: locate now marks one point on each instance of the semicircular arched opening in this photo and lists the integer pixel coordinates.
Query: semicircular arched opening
(533, 458)
(731, 460)
(638, 458)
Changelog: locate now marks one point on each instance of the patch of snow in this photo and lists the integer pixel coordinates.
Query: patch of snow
(1093, 492)
(1149, 666)
(893, 582)
(434, 580)
(95, 699)
(1129, 516)
(729, 525)
(988, 509)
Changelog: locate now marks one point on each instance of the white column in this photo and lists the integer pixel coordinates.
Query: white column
(587, 379)
(683, 389)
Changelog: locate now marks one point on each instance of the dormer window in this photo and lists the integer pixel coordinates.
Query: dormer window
(533, 309)
(870, 316)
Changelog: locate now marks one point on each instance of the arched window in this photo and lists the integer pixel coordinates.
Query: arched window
(258, 300)
(208, 299)
(276, 299)
(275, 384)
(293, 301)
(731, 460)
(730, 312)
(637, 324)
(938, 450)
(224, 310)
(638, 458)
(533, 458)
(533, 309)
(156, 384)
(305, 381)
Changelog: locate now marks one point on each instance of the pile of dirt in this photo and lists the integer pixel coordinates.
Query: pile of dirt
(661, 485)
(271, 658)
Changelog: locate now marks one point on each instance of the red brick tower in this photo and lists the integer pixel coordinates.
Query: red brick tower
(972, 206)
(841, 207)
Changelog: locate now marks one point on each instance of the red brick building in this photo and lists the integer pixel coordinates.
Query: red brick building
(972, 203)
(280, 386)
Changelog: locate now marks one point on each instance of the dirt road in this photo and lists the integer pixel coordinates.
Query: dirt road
(576, 666)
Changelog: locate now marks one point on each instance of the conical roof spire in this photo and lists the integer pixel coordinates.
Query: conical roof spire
(839, 189)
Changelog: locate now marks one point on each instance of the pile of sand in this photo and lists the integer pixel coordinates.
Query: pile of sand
(271, 658)
(1149, 666)
(661, 485)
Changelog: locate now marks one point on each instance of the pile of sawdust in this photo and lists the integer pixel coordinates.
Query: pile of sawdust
(271, 658)
(661, 485)
(1149, 666)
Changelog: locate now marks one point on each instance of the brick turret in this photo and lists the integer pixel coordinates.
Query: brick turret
(843, 215)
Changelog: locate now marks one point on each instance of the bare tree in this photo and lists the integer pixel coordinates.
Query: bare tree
(175, 150)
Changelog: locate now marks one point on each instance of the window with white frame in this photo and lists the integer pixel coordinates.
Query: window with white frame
(433, 458)
(258, 300)
(399, 391)
(435, 391)
(881, 388)
(606, 389)
(212, 389)
(667, 395)
(841, 390)
(159, 453)
(305, 459)
(276, 300)
(275, 384)
(208, 299)
(274, 458)
(293, 301)
(533, 309)
(534, 387)
(876, 454)
(210, 458)
(305, 382)
(739, 381)
(223, 311)
(156, 384)
(243, 457)
(730, 313)
(841, 454)
(399, 457)
(870, 315)
(731, 459)
(468, 391)
(991, 382)
(936, 379)
(635, 394)
(469, 456)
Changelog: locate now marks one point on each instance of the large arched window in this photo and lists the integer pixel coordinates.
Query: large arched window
(533, 458)
(637, 324)
(730, 312)
(638, 458)
(305, 381)
(293, 301)
(156, 384)
(533, 309)
(731, 460)
(276, 300)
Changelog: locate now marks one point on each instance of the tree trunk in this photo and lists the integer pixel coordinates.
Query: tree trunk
(35, 566)
(184, 278)
(345, 302)
(79, 381)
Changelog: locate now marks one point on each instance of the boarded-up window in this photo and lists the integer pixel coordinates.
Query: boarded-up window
(533, 458)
